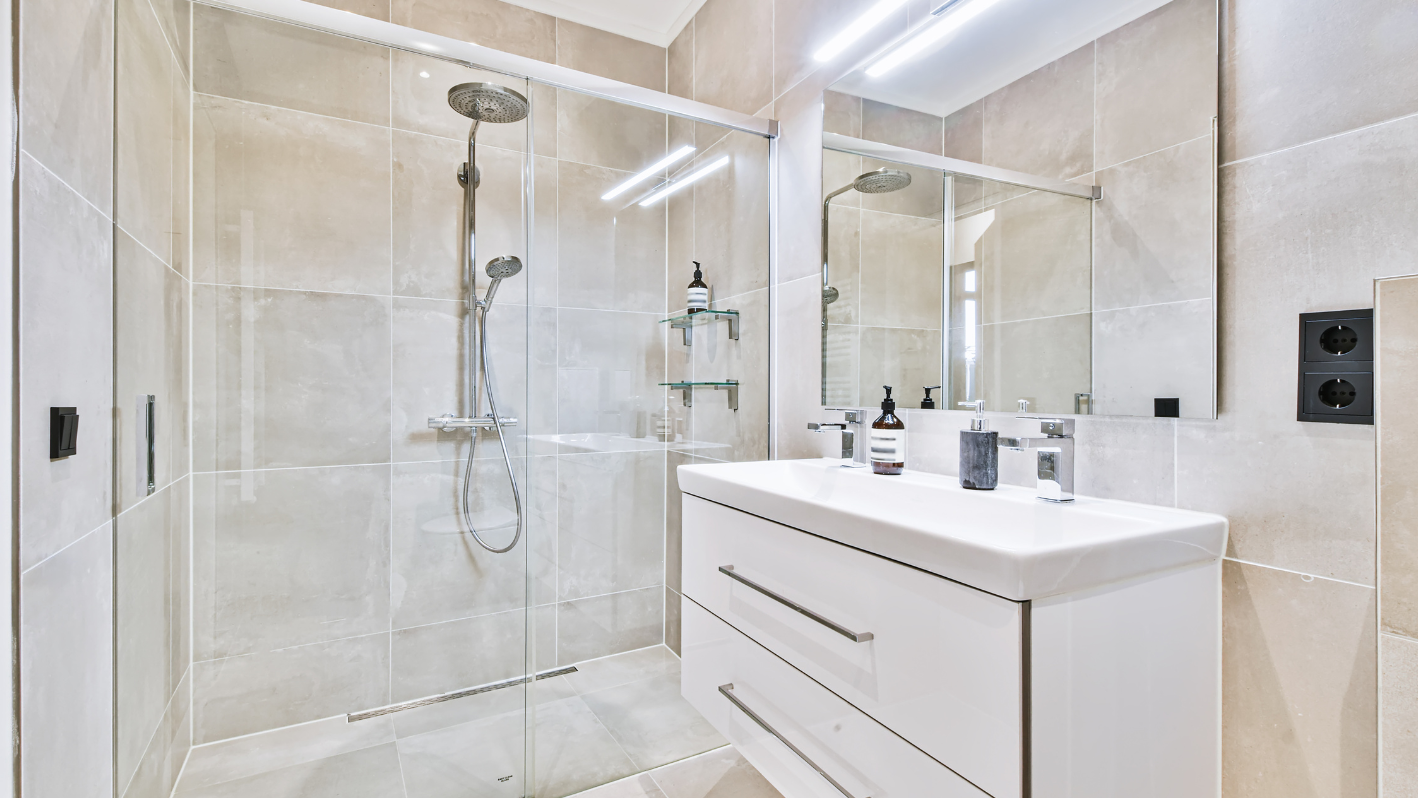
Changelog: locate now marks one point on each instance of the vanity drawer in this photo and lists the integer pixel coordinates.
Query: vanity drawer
(939, 663)
(726, 677)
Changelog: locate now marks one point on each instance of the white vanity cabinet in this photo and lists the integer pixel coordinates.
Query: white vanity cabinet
(841, 671)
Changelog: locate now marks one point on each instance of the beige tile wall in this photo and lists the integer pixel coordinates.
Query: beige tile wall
(1313, 207)
(1396, 321)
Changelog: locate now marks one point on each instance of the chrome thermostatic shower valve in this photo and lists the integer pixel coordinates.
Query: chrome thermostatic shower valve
(449, 422)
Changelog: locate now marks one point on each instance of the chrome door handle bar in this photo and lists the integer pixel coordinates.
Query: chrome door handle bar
(857, 637)
(728, 692)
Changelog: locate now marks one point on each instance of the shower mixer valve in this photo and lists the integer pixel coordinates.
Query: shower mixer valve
(449, 422)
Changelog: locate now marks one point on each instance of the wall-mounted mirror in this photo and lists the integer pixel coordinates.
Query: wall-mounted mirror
(1019, 205)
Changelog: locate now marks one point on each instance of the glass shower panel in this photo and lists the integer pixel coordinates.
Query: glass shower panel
(345, 624)
(625, 387)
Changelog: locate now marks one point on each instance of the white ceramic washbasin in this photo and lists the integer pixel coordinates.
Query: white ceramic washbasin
(1005, 541)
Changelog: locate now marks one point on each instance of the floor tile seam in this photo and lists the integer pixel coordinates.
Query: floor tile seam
(1302, 574)
(106, 217)
(619, 746)
(107, 522)
(1320, 140)
(668, 765)
(301, 763)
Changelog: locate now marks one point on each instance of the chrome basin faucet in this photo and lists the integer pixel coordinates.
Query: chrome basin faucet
(1055, 457)
(854, 439)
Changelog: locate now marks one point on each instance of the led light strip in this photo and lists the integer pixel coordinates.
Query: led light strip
(928, 36)
(857, 29)
(676, 186)
(674, 157)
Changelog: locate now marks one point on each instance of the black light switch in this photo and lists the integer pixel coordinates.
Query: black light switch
(63, 432)
(1337, 367)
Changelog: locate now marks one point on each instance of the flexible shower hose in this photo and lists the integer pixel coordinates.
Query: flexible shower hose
(473, 448)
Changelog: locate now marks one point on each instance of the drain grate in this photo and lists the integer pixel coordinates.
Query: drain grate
(464, 693)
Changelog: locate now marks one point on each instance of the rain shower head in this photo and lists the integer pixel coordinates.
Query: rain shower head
(882, 181)
(503, 267)
(488, 102)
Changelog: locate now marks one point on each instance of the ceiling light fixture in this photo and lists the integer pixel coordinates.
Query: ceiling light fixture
(857, 29)
(673, 157)
(676, 186)
(930, 34)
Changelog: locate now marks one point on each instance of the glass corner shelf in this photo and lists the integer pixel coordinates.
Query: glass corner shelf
(686, 322)
(687, 390)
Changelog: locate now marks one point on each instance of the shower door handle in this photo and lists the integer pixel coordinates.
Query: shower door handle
(152, 443)
(727, 691)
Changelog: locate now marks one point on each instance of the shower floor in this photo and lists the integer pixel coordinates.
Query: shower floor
(618, 722)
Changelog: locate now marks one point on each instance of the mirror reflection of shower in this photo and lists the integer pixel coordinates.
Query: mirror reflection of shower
(482, 102)
(879, 181)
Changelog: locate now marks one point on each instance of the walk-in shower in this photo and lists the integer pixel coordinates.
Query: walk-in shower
(482, 102)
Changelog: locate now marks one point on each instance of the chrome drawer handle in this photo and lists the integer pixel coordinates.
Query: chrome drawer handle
(859, 637)
(728, 692)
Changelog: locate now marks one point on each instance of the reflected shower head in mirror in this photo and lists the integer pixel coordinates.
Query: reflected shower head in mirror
(488, 102)
(879, 181)
(499, 269)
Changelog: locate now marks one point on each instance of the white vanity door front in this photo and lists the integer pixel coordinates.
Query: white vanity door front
(937, 662)
(840, 752)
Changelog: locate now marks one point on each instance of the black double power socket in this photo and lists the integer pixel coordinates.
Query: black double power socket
(1337, 367)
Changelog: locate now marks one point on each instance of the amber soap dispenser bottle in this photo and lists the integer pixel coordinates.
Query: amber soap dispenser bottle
(888, 439)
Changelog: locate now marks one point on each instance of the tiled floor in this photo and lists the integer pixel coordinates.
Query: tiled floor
(618, 722)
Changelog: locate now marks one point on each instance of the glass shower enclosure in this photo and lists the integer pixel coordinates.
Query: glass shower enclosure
(300, 602)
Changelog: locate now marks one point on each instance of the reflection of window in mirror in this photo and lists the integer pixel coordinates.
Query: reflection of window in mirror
(1044, 292)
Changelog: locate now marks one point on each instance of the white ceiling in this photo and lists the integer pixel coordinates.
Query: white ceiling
(1003, 44)
(655, 21)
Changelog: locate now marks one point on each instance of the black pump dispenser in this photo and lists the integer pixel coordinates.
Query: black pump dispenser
(888, 439)
(928, 403)
(698, 297)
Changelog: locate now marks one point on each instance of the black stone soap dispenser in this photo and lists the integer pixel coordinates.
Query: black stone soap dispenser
(979, 451)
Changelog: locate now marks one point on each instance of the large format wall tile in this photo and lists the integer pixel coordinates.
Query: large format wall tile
(290, 378)
(429, 378)
(275, 63)
(603, 625)
(841, 114)
(1399, 674)
(292, 200)
(1035, 259)
(612, 254)
(166, 754)
(907, 360)
(66, 105)
(902, 127)
(733, 54)
(1156, 81)
(1043, 123)
(66, 313)
(607, 363)
(1154, 233)
(147, 128)
(151, 614)
(439, 572)
(150, 348)
(428, 206)
(731, 213)
(606, 133)
(1299, 71)
(66, 671)
(715, 430)
(900, 283)
(252, 693)
(608, 55)
(1154, 351)
(1299, 685)
(1396, 384)
(1046, 361)
(501, 26)
(375, 9)
(443, 657)
(612, 521)
(289, 557)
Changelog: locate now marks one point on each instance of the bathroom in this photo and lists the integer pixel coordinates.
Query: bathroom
(397, 477)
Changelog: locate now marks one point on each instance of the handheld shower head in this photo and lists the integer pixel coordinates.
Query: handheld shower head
(499, 269)
(488, 102)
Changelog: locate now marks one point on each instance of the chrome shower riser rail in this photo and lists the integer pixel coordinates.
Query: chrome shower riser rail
(464, 693)
(354, 26)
